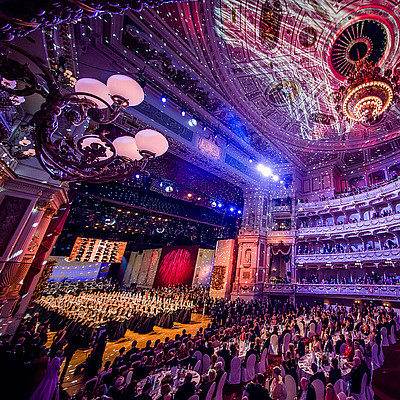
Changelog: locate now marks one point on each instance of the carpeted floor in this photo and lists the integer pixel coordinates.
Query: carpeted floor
(386, 380)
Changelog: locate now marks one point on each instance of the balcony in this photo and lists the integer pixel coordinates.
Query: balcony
(345, 258)
(354, 291)
(281, 234)
(373, 225)
(368, 196)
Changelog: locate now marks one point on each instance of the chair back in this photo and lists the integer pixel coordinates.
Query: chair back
(291, 389)
(319, 327)
(222, 361)
(385, 341)
(392, 336)
(221, 383)
(285, 346)
(206, 363)
(196, 397)
(363, 387)
(319, 389)
(235, 373)
(340, 386)
(197, 354)
(210, 392)
(343, 348)
(374, 357)
(274, 344)
(312, 327)
(283, 372)
(264, 361)
(341, 396)
(301, 327)
(197, 367)
(249, 372)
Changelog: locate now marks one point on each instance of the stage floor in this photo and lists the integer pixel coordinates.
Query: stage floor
(71, 384)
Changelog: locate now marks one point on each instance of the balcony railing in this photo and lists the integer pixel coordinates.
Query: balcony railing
(368, 291)
(354, 291)
(344, 258)
(278, 234)
(373, 224)
(358, 198)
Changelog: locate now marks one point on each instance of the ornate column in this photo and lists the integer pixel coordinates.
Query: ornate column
(15, 268)
(253, 256)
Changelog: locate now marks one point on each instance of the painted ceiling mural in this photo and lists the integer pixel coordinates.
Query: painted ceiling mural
(283, 61)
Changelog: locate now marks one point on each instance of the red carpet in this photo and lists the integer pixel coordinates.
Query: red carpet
(386, 380)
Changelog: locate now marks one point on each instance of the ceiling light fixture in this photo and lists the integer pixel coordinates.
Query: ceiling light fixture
(368, 93)
(91, 156)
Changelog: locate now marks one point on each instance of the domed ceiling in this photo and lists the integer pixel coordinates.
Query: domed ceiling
(281, 62)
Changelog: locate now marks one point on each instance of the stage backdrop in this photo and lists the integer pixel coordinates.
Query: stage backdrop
(176, 266)
(204, 267)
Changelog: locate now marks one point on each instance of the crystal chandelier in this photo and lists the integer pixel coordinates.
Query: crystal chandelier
(368, 94)
(70, 153)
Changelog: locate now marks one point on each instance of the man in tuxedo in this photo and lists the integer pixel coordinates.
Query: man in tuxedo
(317, 375)
(224, 353)
(256, 391)
(249, 352)
(186, 390)
(356, 376)
(307, 391)
(300, 346)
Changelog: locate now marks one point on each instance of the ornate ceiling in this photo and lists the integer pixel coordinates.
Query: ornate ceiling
(284, 60)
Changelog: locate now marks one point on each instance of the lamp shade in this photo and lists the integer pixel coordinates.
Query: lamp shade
(126, 87)
(93, 86)
(126, 147)
(152, 141)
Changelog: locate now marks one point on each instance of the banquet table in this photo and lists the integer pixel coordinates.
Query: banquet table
(157, 377)
(306, 371)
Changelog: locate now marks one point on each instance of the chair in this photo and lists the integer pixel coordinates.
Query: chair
(285, 345)
(374, 357)
(301, 327)
(197, 367)
(392, 336)
(343, 348)
(283, 372)
(384, 335)
(194, 397)
(273, 344)
(90, 386)
(341, 396)
(319, 328)
(319, 389)
(291, 389)
(235, 373)
(221, 383)
(261, 367)
(397, 322)
(361, 395)
(381, 356)
(206, 363)
(210, 392)
(340, 386)
(312, 328)
(197, 354)
(249, 371)
(222, 361)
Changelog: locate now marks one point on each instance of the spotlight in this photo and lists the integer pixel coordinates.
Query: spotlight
(266, 171)
(204, 127)
(213, 204)
(232, 209)
(275, 178)
(239, 212)
(219, 205)
(250, 160)
(192, 122)
(260, 167)
(161, 184)
(199, 198)
(281, 182)
(189, 195)
(183, 112)
(169, 189)
(163, 99)
(137, 176)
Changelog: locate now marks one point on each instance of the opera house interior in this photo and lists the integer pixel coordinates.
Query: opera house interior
(199, 200)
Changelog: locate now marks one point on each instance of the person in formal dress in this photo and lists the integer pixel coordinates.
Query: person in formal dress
(277, 389)
(257, 391)
(307, 391)
(335, 373)
(186, 390)
(330, 392)
(356, 376)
